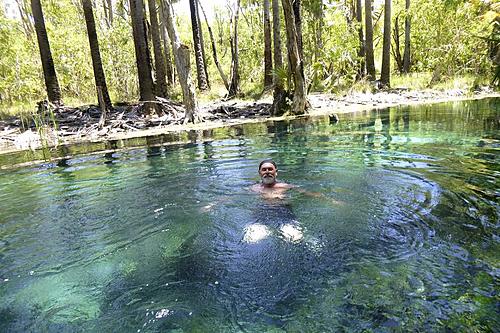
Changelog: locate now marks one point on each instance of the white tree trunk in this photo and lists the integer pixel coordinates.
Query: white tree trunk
(182, 64)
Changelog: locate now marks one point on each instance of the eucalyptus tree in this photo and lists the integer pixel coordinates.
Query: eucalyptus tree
(100, 79)
(49, 71)
(198, 52)
(406, 55)
(214, 49)
(369, 57)
(142, 55)
(25, 18)
(181, 57)
(166, 45)
(361, 52)
(234, 86)
(296, 4)
(268, 65)
(108, 12)
(279, 91)
(385, 76)
(296, 65)
(161, 83)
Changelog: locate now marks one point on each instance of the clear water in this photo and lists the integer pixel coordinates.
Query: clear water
(401, 235)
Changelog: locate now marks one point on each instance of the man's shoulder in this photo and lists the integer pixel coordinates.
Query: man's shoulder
(283, 185)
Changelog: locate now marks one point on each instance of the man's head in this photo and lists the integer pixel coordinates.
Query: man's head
(268, 172)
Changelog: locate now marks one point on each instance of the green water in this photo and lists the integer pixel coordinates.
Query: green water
(400, 236)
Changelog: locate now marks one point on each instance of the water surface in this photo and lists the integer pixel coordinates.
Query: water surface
(400, 234)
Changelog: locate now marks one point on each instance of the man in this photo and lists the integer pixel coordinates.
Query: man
(269, 187)
(271, 190)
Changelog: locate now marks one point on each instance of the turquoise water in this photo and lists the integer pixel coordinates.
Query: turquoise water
(394, 227)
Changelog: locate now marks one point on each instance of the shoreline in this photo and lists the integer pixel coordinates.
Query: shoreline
(321, 105)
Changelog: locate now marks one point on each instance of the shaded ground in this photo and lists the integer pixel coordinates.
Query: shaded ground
(52, 126)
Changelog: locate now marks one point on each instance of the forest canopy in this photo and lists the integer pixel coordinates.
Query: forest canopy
(448, 38)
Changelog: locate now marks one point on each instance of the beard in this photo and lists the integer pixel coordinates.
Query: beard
(268, 180)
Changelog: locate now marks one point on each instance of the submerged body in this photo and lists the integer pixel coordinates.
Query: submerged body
(275, 212)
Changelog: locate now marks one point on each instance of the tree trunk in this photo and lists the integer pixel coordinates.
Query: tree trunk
(110, 12)
(25, 19)
(181, 56)
(161, 83)
(370, 62)
(234, 87)
(319, 17)
(406, 55)
(268, 65)
(202, 42)
(49, 72)
(298, 26)
(279, 92)
(361, 52)
(396, 53)
(385, 76)
(100, 79)
(214, 50)
(296, 64)
(141, 55)
(198, 54)
(166, 46)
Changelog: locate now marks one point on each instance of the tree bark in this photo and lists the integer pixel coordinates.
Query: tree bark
(370, 62)
(298, 26)
(202, 42)
(214, 50)
(198, 54)
(296, 64)
(166, 46)
(110, 12)
(234, 87)
(49, 72)
(406, 55)
(161, 83)
(396, 53)
(100, 79)
(279, 92)
(385, 76)
(141, 55)
(361, 51)
(181, 56)
(268, 65)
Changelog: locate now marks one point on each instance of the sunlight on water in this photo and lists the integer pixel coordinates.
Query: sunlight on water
(393, 226)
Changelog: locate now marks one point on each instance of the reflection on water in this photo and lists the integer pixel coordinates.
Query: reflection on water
(403, 235)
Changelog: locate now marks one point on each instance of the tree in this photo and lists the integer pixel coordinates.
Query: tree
(279, 91)
(369, 57)
(181, 56)
(161, 84)
(100, 79)
(406, 55)
(198, 53)
(49, 71)
(234, 86)
(166, 45)
(214, 50)
(141, 55)
(268, 65)
(385, 75)
(298, 26)
(361, 52)
(296, 65)
(108, 12)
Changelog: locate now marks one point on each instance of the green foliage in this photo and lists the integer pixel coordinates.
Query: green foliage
(449, 38)
(445, 37)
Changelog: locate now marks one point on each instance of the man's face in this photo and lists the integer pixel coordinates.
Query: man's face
(268, 173)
